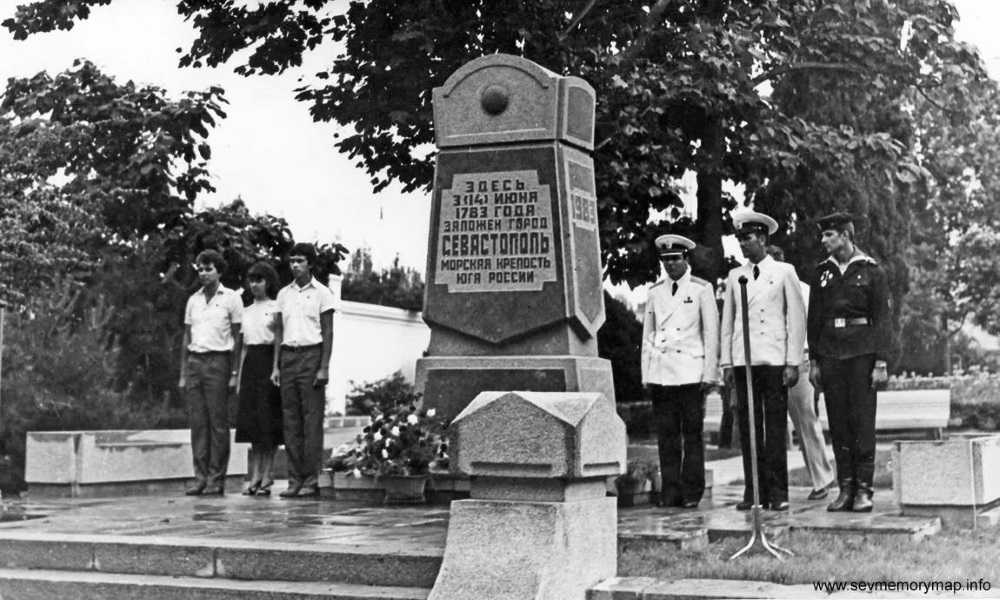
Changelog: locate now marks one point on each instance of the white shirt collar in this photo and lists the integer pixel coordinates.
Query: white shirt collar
(312, 283)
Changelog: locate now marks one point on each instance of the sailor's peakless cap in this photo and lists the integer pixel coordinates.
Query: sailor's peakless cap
(673, 244)
(835, 221)
(755, 222)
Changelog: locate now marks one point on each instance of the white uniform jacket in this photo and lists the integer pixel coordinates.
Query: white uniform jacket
(777, 316)
(680, 333)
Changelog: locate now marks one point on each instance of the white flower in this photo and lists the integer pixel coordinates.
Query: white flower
(431, 412)
(356, 472)
(378, 436)
(385, 453)
(394, 431)
(412, 419)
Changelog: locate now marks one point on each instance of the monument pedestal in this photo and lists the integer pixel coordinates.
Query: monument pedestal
(540, 549)
(539, 525)
(450, 382)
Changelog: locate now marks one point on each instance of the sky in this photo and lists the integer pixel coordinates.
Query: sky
(268, 150)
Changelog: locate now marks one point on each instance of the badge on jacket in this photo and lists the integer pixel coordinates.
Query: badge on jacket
(825, 278)
(688, 300)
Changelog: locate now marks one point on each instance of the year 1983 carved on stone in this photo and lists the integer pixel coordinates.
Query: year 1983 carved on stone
(514, 297)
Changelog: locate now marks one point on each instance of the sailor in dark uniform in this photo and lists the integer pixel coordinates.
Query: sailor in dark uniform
(848, 329)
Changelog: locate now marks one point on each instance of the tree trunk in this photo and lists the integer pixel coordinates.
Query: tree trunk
(709, 217)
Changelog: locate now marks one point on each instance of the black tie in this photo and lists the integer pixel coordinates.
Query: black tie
(673, 289)
(756, 272)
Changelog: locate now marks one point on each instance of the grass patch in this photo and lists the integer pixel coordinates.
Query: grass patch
(947, 556)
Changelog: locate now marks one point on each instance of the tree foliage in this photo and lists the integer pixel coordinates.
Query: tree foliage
(679, 86)
(866, 105)
(88, 165)
(398, 286)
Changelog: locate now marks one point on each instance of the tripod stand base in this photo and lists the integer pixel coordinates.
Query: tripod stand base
(759, 538)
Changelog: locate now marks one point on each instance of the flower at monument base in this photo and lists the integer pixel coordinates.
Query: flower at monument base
(402, 441)
(431, 412)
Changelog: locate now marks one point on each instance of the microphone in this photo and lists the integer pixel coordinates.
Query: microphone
(742, 280)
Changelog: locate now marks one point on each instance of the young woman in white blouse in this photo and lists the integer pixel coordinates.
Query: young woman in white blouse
(259, 418)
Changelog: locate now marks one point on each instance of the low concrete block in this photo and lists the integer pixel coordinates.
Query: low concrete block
(543, 550)
(954, 478)
(539, 435)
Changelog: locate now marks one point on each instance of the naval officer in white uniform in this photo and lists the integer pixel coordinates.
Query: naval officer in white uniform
(680, 345)
(776, 318)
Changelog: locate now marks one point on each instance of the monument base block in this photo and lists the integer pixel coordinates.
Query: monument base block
(527, 550)
(449, 383)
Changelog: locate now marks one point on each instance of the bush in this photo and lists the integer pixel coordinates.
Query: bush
(620, 340)
(975, 394)
(59, 368)
(398, 286)
(382, 396)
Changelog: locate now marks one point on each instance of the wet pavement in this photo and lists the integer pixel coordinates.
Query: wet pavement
(324, 521)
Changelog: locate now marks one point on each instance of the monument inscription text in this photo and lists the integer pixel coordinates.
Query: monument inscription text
(495, 233)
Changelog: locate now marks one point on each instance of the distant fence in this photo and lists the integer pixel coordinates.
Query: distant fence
(371, 342)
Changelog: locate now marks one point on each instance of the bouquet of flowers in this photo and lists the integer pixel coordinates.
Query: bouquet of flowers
(402, 441)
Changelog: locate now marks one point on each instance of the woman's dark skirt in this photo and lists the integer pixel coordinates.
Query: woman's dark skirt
(259, 418)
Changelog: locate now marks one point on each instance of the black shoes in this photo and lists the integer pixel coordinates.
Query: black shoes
(291, 492)
(194, 490)
(845, 500)
(818, 494)
(780, 506)
(215, 490)
(308, 492)
(863, 498)
(689, 504)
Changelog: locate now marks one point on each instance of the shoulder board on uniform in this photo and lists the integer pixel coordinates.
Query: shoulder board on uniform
(699, 280)
(656, 284)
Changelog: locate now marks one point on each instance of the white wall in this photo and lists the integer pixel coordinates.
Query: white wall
(371, 342)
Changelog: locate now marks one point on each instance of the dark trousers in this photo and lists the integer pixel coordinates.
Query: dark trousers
(679, 415)
(302, 408)
(207, 391)
(850, 408)
(771, 424)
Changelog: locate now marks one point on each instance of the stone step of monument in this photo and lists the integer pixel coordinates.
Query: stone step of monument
(392, 564)
(38, 584)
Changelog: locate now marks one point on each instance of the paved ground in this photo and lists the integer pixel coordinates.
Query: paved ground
(271, 519)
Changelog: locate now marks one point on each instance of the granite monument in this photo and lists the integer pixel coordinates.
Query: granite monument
(513, 297)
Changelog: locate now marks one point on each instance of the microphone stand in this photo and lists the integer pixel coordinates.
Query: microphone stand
(757, 534)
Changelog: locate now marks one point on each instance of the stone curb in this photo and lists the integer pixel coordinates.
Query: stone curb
(649, 588)
(214, 559)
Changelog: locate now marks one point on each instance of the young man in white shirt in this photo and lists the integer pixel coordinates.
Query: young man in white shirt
(303, 342)
(209, 363)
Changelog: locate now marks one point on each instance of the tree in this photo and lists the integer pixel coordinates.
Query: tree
(89, 166)
(678, 85)
(398, 286)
